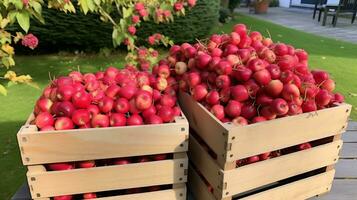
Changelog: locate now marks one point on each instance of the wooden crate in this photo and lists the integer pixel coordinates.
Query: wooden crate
(301, 189)
(40, 148)
(231, 143)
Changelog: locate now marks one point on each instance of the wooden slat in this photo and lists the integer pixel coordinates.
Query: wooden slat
(258, 174)
(101, 143)
(349, 150)
(302, 189)
(77, 181)
(198, 188)
(346, 168)
(287, 131)
(204, 163)
(350, 136)
(173, 194)
(341, 190)
(204, 123)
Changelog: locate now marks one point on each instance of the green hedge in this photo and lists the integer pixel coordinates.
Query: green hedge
(86, 32)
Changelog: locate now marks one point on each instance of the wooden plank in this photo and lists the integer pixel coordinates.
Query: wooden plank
(205, 163)
(101, 143)
(341, 190)
(352, 125)
(173, 194)
(349, 150)
(300, 128)
(197, 187)
(255, 175)
(346, 168)
(350, 136)
(204, 123)
(77, 181)
(302, 189)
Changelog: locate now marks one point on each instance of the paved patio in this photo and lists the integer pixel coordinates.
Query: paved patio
(301, 19)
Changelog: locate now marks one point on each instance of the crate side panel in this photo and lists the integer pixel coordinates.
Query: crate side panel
(203, 122)
(302, 189)
(197, 186)
(92, 144)
(77, 181)
(287, 131)
(262, 173)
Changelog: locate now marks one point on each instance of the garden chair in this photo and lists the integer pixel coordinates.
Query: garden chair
(345, 7)
(319, 6)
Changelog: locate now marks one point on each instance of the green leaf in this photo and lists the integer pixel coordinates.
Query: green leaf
(36, 6)
(91, 5)
(84, 5)
(18, 4)
(3, 90)
(4, 23)
(23, 18)
(127, 12)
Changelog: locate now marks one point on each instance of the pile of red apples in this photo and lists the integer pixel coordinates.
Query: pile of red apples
(244, 78)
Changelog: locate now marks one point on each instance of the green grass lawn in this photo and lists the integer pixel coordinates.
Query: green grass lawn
(339, 58)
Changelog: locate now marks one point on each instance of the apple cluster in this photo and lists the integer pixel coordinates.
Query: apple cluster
(111, 98)
(107, 162)
(245, 78)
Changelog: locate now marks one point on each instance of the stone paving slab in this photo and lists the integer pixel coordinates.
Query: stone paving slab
(301, 19)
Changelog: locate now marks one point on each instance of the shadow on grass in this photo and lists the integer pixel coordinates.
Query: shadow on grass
(12, 172)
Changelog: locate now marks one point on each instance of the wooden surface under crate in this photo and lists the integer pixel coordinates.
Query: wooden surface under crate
(116, 177)
(228, 183)
(101, 143)
(232, 143)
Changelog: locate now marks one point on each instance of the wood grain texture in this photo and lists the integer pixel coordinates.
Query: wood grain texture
(349, 150)
(299, 190)
(198, 188)
(77, 181)
(101, 143)
(346, 168)
(173, 194)
(255, 175)
(350, 137)
(287, 131)
(204, 123)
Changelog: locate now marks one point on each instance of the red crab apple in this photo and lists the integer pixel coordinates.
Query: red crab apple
(301, 54)
(252, 159)
(81, 99)
(190, 52)
(92, 85)
(274, 71)
(323, 98)
(262, 77)
(44, 119)
(81, 117)
(268, 113)
(287, 76)
(224, 67)
(64, 80)
(180, 68)
(252, 87)
(165, 113)
(264, 156)
(258, 119)
(97, 95)
(77, 87)
(111, 72)
(244, 55)
(304, 146)
(86, 164)
(241, 29)
(100, 120)
(143, 159)
(121, 105)
(223, 81)
(235, 38)
(218, 111)
(240, 121)
(106, 104)
(160, 157)
(242, 73)
(256, 64)
(117, 119)
(148, 112)
(89, 196)
(339, 98)
(121, 161)
(112, 90)
(63, 197)
(60, 166)
(309, 106)
(230, 49)
(256, 36)
(93, 110)
(263, 99)
(216, 52)
(320, 76)
(329, 85)
(65, 92)
(193, 79)
(154, 119)
(134, 120)
(89, 77)
(245, 42)
(274, 88)
(64, 123)
(176, 111)
(267, 42)
(128, 91)
(239, 93)
(280, 106)
(168, 100)
(47, 128)
(268, 55)
(202, 60)
(281, 49)
(212, 97)
(143, 100)
(233, 108)
(76, 76)
(294, 109)
(65, 108)
(44, 104)
(161, 83)
(163, 71)
(199, 92)
(290, 91)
